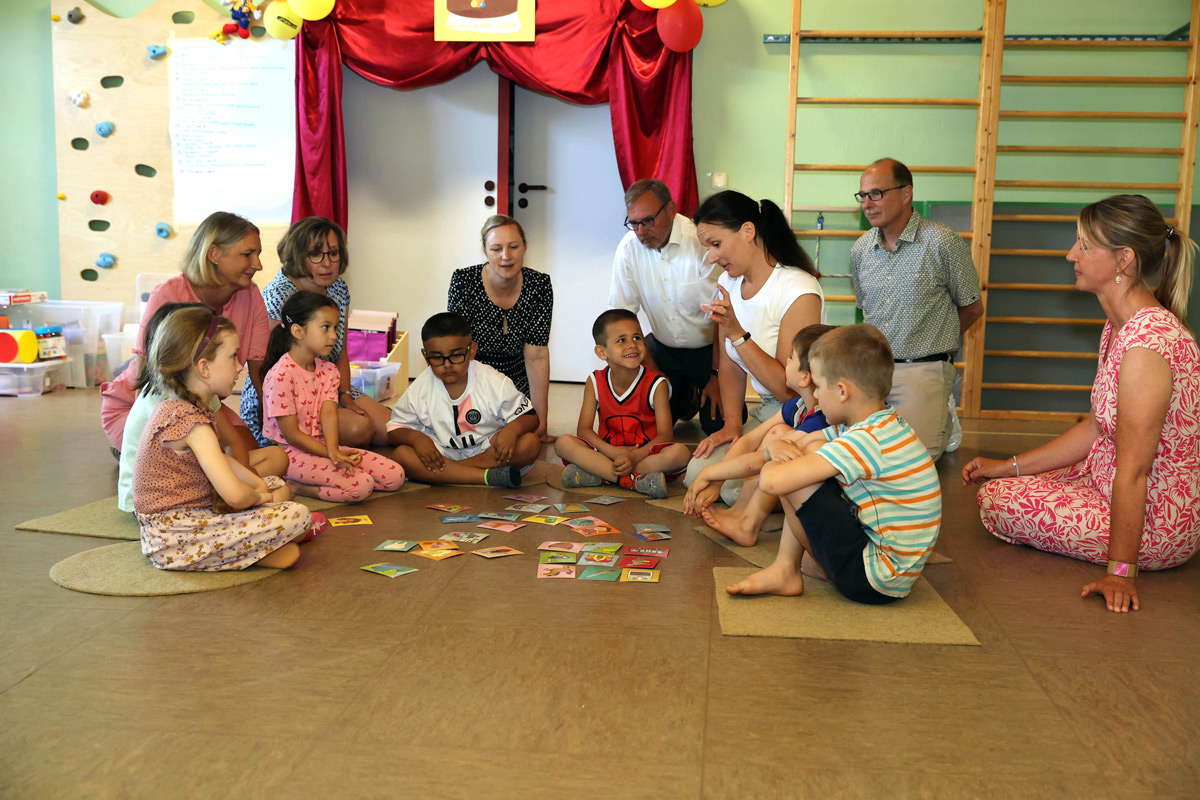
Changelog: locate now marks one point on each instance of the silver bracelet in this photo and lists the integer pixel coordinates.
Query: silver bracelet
(1017, 468)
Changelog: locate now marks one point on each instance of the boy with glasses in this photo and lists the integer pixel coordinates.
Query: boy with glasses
(462, 421)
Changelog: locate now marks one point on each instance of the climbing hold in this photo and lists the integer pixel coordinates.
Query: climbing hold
(219, 37)
(106, 261)
(99, 197)
(79, 97)
(61, 196)
(55, 17)
(156, 50)
(75, 16)
(162, 230)
(105, 129)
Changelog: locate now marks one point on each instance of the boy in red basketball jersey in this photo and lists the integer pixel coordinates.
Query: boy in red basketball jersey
(631, 446)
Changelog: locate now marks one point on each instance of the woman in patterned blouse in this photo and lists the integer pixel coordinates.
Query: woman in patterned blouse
(510, 307)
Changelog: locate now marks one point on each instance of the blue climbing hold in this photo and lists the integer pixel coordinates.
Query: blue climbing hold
(106, 261)
(105, 129)
(162, 230)
(156, 50)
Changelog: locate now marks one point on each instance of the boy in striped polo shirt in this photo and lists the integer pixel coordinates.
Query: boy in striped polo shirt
(862, 496)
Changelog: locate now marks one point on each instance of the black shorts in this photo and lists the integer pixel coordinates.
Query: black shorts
(838, 540)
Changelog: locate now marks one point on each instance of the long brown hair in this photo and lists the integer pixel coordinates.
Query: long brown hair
(173, 353)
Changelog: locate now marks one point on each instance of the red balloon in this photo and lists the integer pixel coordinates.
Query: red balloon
(680, 25)
(638, 4)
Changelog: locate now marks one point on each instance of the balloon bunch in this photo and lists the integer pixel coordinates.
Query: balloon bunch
(679, 22)
(283, 18)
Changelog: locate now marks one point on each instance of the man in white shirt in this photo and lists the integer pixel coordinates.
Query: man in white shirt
(662, 268)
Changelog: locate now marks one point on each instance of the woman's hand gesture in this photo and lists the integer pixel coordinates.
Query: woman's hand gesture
(715, 440)
(720, 311)
(1119, 593)
(982, 469)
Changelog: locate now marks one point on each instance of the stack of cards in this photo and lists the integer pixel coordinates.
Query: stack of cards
(599, 561)
(390, 570)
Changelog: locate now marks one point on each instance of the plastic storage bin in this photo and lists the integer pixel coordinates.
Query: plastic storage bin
(375, 379)
(30, 380)
(83, 323)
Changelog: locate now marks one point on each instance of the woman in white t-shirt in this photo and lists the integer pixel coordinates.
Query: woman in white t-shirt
(768, 292)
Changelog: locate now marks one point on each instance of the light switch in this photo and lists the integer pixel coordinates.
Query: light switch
(720, 180)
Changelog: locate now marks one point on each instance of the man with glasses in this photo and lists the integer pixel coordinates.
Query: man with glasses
(661, 267)
(915, 281)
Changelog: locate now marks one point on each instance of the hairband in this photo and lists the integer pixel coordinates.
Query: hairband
(212, 329)
(1170, 231)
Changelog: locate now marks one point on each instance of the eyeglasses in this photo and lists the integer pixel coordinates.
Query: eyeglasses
(436, 360)
(633, 224)
(876, 194)
(317, 257)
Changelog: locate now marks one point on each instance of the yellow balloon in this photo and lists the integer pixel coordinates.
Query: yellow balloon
(281, 21)
(659, 3)
(312, 9)
(709, 3)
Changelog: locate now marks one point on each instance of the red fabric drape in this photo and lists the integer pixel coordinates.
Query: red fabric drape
(586, 51)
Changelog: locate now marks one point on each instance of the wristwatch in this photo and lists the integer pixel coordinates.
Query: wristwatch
(741, 340)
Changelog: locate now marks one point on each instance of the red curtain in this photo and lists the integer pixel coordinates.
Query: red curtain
(586, 51)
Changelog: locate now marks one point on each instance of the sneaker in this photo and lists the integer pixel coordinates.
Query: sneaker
(575, 477)
(652, 484)
(319, 523)
(506, 477)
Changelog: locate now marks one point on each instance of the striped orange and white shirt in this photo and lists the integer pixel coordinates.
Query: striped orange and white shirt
(887, 473)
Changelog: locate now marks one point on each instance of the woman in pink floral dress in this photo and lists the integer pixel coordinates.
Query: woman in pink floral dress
(1122, 487)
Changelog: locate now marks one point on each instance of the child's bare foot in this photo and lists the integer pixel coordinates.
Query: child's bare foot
(775, 579)
(303, 489)
(737, 527)
(283, 558)
(812, 568)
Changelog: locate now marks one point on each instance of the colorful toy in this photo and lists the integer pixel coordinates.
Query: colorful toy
(106, 261)
(162, 230)
(281, 21)
(99, 197)
(61, 196)
(219, 37)
(75, 16)
(79, 97)
(242, 12)
(105, 129)
(156, 50)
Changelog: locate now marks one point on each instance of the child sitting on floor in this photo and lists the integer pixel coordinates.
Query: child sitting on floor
(264, 460)
(180, 463)
(742, 522)
(862, 497)
(462, 421)
(632, 447)
(300, 407)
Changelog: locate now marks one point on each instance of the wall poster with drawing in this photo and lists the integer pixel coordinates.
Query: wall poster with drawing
(483, 20)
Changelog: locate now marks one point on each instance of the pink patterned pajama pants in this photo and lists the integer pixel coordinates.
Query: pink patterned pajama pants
(375, 472)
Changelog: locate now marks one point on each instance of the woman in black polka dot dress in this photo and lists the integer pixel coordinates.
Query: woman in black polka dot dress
(510, 307)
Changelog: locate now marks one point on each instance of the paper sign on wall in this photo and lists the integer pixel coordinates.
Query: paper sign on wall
(483, 20)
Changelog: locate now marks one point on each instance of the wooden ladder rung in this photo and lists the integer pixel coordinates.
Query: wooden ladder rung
(1046, 218)
(1086, 185)
(1025, 251)
(1047, 416)
(1124, 151)
(953, 170)
(840, 298)
(1034, 287)
(827, 209)
(1028, 114)
(1041, 354)
(832, 234)
(1097, 43)
(891, 34)
(1045, 321)
(1038, 387)
(889, 101)
(1113, 80)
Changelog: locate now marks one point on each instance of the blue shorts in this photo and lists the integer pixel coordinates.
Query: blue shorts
(838, 540)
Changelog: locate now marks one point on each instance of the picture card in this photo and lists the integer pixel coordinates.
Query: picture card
(388, 569)
(556, 558)
(361, 519)
(504, 527)
(469, 537)
(528, 508)
(657, 552)
(497, 552)
(561, 547)
(438, 544)
(650, 527)
(525, 498)
(599, 574)
(638, 562)
(590, 526)
(571, 508)
(602, 547)
(545, 520)
(437, 555)
(598, 559)
(639, 576)
(503, 516)
(605, 500)
(459, 518)
(449, 508)
(650, 536)
(556, 570)
(397, 545)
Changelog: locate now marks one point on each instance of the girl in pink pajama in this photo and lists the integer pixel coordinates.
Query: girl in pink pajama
(300, 408)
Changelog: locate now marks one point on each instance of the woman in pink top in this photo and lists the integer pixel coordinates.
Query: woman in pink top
(1123, 486)
(218, 270)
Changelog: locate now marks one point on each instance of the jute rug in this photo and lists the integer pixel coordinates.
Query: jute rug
(122, 570)
(821, 613)
(553, 476)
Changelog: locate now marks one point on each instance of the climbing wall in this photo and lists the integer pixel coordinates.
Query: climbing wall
(107, 57)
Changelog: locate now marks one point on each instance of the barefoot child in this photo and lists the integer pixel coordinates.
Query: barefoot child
(462, 421)
(800, 414)
(300, 407)
(633, 446)
(861, 497)
(194, 357)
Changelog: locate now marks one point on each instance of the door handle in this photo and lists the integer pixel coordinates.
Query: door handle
(528, 187)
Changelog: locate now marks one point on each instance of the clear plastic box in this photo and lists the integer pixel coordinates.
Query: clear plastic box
(83, 323)
(30, 380)
(375, 379)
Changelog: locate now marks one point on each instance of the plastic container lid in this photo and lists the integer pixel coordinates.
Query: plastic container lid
(52, 330)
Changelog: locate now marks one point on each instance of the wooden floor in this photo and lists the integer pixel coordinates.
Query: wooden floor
(472, 679)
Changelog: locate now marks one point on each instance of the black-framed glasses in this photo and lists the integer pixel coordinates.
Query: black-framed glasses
(437, 359)
(876, 194)
(645, 222)
(335, 255)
